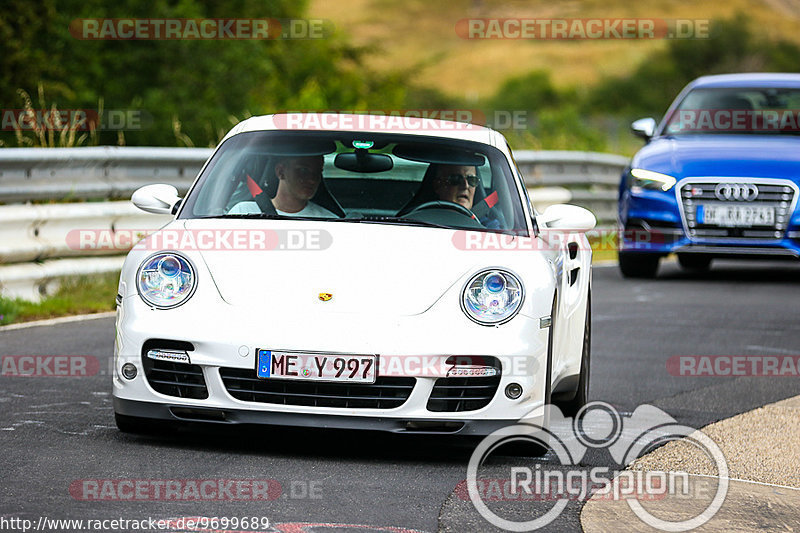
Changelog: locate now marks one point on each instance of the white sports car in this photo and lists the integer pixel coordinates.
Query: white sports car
(354, 271)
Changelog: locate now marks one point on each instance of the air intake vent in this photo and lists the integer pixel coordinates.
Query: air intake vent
(454, 395)
(173, 379)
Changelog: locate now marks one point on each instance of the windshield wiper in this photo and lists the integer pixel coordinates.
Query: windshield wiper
(265, 216)
(394, 220)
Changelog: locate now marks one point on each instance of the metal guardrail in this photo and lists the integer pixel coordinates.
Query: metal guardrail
(34, 247)
(94, 172)
(115, 172)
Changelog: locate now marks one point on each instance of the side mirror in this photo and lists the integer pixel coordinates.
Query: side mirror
(568, 217)
(159, 198)
(644, 128)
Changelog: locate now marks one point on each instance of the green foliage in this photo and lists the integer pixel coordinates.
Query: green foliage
(529, 92)
(195, 90)
(198, 84)
(76, 295)
(732, 46)
(597, 118)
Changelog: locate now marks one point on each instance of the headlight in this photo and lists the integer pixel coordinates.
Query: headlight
(647, 179)
(492, 297)
(166, 280)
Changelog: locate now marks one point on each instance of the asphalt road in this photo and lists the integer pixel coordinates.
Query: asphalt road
(55, 432)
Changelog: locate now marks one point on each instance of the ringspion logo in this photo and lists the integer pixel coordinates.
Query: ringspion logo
(596, 426)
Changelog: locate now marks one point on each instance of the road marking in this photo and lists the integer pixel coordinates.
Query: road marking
(769, 349)
(59, 320)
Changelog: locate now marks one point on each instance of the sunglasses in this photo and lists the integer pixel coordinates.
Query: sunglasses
(458, 179)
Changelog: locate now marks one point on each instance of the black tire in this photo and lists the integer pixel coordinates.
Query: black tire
(571, 407)
(638, 265)
(138, 426)
(696, 263)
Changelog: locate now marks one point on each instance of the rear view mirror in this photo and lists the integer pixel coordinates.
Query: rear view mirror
(364, 162)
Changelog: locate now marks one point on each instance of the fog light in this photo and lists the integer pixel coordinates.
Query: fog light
(513, 391)
(129, 371)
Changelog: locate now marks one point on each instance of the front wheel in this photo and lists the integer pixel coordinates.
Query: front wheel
(638, 265)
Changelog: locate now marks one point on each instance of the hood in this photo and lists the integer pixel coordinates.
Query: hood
(734, 155)
(365, 267)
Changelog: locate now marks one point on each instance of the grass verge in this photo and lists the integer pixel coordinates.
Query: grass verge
(75, 296)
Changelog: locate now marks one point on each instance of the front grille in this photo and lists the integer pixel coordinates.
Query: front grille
(462, 394)
(780, 196)
(385, 393)
(173, 379)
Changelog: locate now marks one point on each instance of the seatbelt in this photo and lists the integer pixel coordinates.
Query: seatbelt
(485, 205)
(260, 197)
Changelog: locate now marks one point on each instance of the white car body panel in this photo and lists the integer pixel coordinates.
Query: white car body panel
(396, 292)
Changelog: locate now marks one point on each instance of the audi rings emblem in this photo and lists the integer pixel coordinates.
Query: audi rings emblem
(743, 192)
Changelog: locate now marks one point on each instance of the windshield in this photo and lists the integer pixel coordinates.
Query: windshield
(359, 177)
(743, 110)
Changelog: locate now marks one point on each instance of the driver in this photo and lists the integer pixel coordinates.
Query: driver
(456, 184)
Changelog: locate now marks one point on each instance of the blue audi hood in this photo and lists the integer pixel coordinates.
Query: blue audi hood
(724, 155)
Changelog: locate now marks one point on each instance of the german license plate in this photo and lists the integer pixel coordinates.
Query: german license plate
(735, 215)
(316, 367)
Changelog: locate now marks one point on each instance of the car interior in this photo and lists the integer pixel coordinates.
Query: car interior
(374, 179)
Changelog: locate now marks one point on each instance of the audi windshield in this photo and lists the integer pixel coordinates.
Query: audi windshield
(739, 110)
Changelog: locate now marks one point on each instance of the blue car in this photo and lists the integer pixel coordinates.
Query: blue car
(717, 178)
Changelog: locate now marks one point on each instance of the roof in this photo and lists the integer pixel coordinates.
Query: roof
(748, 79)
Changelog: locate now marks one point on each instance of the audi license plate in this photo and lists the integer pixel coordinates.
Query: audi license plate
(317, 367)
(735, 215)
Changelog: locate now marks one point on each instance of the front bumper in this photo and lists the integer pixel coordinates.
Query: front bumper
(654, 223)
(228, 338)
(431, 426)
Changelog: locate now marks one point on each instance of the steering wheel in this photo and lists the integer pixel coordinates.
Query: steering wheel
(443, 204)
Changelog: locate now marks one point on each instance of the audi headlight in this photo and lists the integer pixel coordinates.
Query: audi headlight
(492, 297)
(647, 179)
(166, 280)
